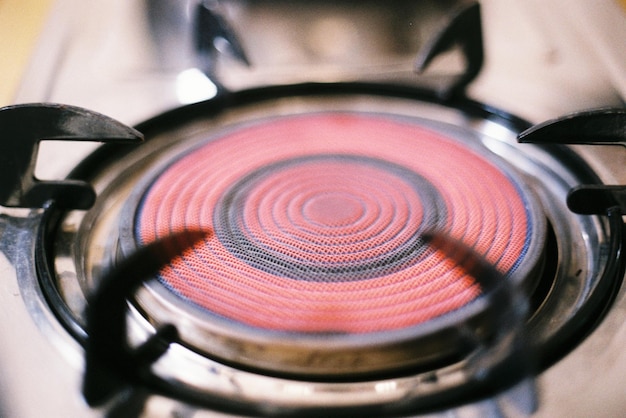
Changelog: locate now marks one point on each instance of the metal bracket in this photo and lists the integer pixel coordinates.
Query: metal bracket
(464, 29)
(111, 363)
(594, 127)
(214, 36)
(22, 127)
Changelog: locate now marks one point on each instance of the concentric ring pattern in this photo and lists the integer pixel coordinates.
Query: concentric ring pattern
(317, 219)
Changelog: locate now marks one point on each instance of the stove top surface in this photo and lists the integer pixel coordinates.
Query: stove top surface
(139, 191)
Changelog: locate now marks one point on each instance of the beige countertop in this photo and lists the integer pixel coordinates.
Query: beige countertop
(20, 24)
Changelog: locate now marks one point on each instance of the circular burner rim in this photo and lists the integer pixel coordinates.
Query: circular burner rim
(389, 351)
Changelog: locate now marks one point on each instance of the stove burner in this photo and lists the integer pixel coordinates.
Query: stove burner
(261, 169)
(318, 221)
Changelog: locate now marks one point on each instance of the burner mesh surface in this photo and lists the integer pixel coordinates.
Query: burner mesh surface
(317, 219)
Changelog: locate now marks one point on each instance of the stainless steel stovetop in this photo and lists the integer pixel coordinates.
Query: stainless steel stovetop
(133, 60)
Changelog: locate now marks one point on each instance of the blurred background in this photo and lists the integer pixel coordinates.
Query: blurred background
(543, 57)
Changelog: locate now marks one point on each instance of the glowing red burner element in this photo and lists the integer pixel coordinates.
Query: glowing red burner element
(318, 217)
(333, 209)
